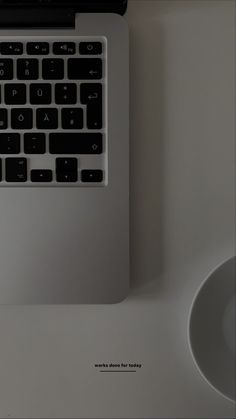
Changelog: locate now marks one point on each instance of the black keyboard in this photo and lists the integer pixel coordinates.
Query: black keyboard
(52, 119)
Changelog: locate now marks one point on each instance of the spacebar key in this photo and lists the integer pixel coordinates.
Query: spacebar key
(73, 143)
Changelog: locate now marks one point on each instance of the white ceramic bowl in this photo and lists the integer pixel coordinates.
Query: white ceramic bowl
(212, 329)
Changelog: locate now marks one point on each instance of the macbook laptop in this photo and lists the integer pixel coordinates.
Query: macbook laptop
(64, 152)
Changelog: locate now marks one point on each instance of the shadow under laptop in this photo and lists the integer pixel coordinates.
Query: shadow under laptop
(146, 155)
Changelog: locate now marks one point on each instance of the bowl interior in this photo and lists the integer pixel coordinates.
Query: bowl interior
(212, 329)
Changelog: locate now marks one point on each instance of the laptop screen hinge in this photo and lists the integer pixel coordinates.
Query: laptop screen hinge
(37, 17)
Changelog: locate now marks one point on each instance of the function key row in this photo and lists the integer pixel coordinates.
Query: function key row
(66, 169)
(48, 118)
(52, 69)
(59, 143)
(58, 48)
(46, 93)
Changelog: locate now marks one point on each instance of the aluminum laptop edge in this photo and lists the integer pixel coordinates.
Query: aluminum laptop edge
(62, 242)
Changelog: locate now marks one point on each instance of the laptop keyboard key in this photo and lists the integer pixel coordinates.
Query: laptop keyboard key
(94, 116)
(66, 165)
(53, 69)
(16, 169)
(38, 48)
(3, 119)
(90, 48)
(22, 118)
(75, 143)
(27, 69)
(64, 48)
(11, 48)
(41, 94)
(65, 93)
(41, 175)
(67, 176)
(72, 118)
(6, 69)
(9, 143)
(15, 94)
(84, 68)
(47, 118)
(90, 93)
(34, 143)
(91, 175)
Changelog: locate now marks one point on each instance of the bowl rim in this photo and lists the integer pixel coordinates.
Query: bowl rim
(193, 302)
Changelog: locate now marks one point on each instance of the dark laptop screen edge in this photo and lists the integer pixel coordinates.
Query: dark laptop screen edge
(53, 13)
(82, 6)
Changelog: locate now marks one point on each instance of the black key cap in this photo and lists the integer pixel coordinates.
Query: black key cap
(91, 175)
(67, 176)
(38, 48)
(27, 69)
(41, 94)
(41, 175)
(9, 143)
(90, 92)
(94, 116)
(72, 118)
(53, 69)
(90, 48)
(0, 170)
(6, 69)
(22, 118)
(34, 143)
(65, 93)
(3, 119)
(11, 48)
(66, 170)
(84, 68)
(15, 94)
(64, 48)
(16, 169)
(47, 118)
(66, 165)
(73, 143)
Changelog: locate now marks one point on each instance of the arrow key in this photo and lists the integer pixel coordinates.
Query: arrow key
(67, 177)
(66, 164)
(91, 176)
(41, 176)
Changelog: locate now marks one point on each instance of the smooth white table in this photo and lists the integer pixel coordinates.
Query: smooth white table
(182, 226)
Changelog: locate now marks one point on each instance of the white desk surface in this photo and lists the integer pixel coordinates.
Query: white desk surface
(182, 226)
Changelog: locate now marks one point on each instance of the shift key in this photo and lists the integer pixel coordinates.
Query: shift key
(73, 143)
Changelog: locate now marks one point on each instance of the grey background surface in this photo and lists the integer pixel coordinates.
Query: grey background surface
(182, 226)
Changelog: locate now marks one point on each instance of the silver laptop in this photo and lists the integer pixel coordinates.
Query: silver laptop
(64, 152)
